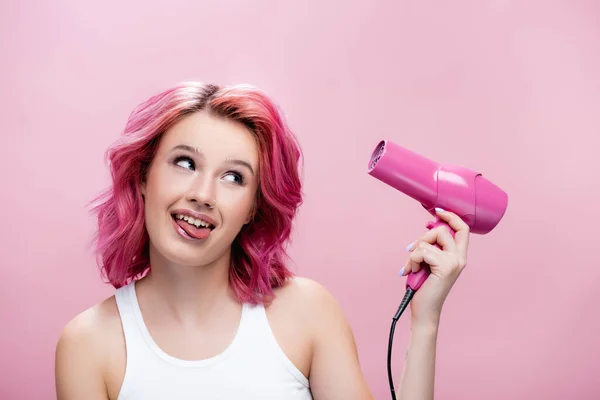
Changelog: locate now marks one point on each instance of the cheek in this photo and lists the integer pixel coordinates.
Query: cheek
(236, 207)
(163, 185)
(158, 198)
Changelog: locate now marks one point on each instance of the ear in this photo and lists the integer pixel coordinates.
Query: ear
(142, 188)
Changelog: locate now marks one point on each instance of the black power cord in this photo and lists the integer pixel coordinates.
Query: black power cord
(407, 298)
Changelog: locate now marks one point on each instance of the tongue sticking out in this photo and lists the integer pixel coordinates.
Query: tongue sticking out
(196, 233)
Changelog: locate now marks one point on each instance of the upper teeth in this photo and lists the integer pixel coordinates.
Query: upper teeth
(199, 223)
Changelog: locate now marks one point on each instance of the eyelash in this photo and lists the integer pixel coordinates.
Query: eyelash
(177, 160)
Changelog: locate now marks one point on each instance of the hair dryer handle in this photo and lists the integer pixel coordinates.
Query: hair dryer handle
(416, 279)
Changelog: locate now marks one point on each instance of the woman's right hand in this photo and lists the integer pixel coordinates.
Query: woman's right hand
(446, 265)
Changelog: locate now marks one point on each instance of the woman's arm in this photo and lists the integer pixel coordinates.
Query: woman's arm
(446, 263)
(335, 370)
(418, 375)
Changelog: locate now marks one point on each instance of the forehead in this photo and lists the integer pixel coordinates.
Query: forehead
(217, 138)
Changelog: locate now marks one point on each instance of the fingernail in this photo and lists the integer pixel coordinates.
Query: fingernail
(410, 246)
(402, 271)
(439, 209)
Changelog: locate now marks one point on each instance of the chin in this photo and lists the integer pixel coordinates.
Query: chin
(186, 255)
(187, 258)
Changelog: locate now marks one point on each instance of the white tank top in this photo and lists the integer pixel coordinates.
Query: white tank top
(252, 367)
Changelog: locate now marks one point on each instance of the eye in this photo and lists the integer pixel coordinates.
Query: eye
(235, 177)
(184, 162)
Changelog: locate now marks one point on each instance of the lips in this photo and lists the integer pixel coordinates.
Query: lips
(192, 225)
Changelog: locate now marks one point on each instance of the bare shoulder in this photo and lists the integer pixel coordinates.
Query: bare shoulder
(313, 301)
(335, 371)
(89, 328)
(309, 301)
(307, 294)
(87, 323)
(82, 352)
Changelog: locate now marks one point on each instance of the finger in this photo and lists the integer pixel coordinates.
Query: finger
(422, 259)
(460, 227)
(423, 253)
(442, 236)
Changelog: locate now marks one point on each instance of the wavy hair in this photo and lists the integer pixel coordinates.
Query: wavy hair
(258, 253)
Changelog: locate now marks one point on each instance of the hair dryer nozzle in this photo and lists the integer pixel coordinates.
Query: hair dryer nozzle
(405, 171)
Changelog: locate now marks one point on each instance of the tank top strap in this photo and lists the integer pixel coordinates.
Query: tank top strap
(259, 337)
(136, 350)
(123, 297)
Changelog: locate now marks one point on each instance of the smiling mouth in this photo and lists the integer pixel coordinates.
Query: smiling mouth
(193, 222)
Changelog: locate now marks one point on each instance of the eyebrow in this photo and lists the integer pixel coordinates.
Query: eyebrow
(195, 150)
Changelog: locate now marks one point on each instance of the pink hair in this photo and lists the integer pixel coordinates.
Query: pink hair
(258, 252)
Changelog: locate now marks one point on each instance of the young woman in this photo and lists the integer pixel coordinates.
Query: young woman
(192, 234)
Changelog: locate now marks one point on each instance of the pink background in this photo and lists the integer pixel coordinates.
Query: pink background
(511, 88)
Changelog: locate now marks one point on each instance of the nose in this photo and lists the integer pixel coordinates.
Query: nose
(202, 192)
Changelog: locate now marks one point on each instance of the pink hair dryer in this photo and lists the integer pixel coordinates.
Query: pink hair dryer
(480, 203)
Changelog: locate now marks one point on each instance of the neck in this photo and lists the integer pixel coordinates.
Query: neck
(191, 295)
